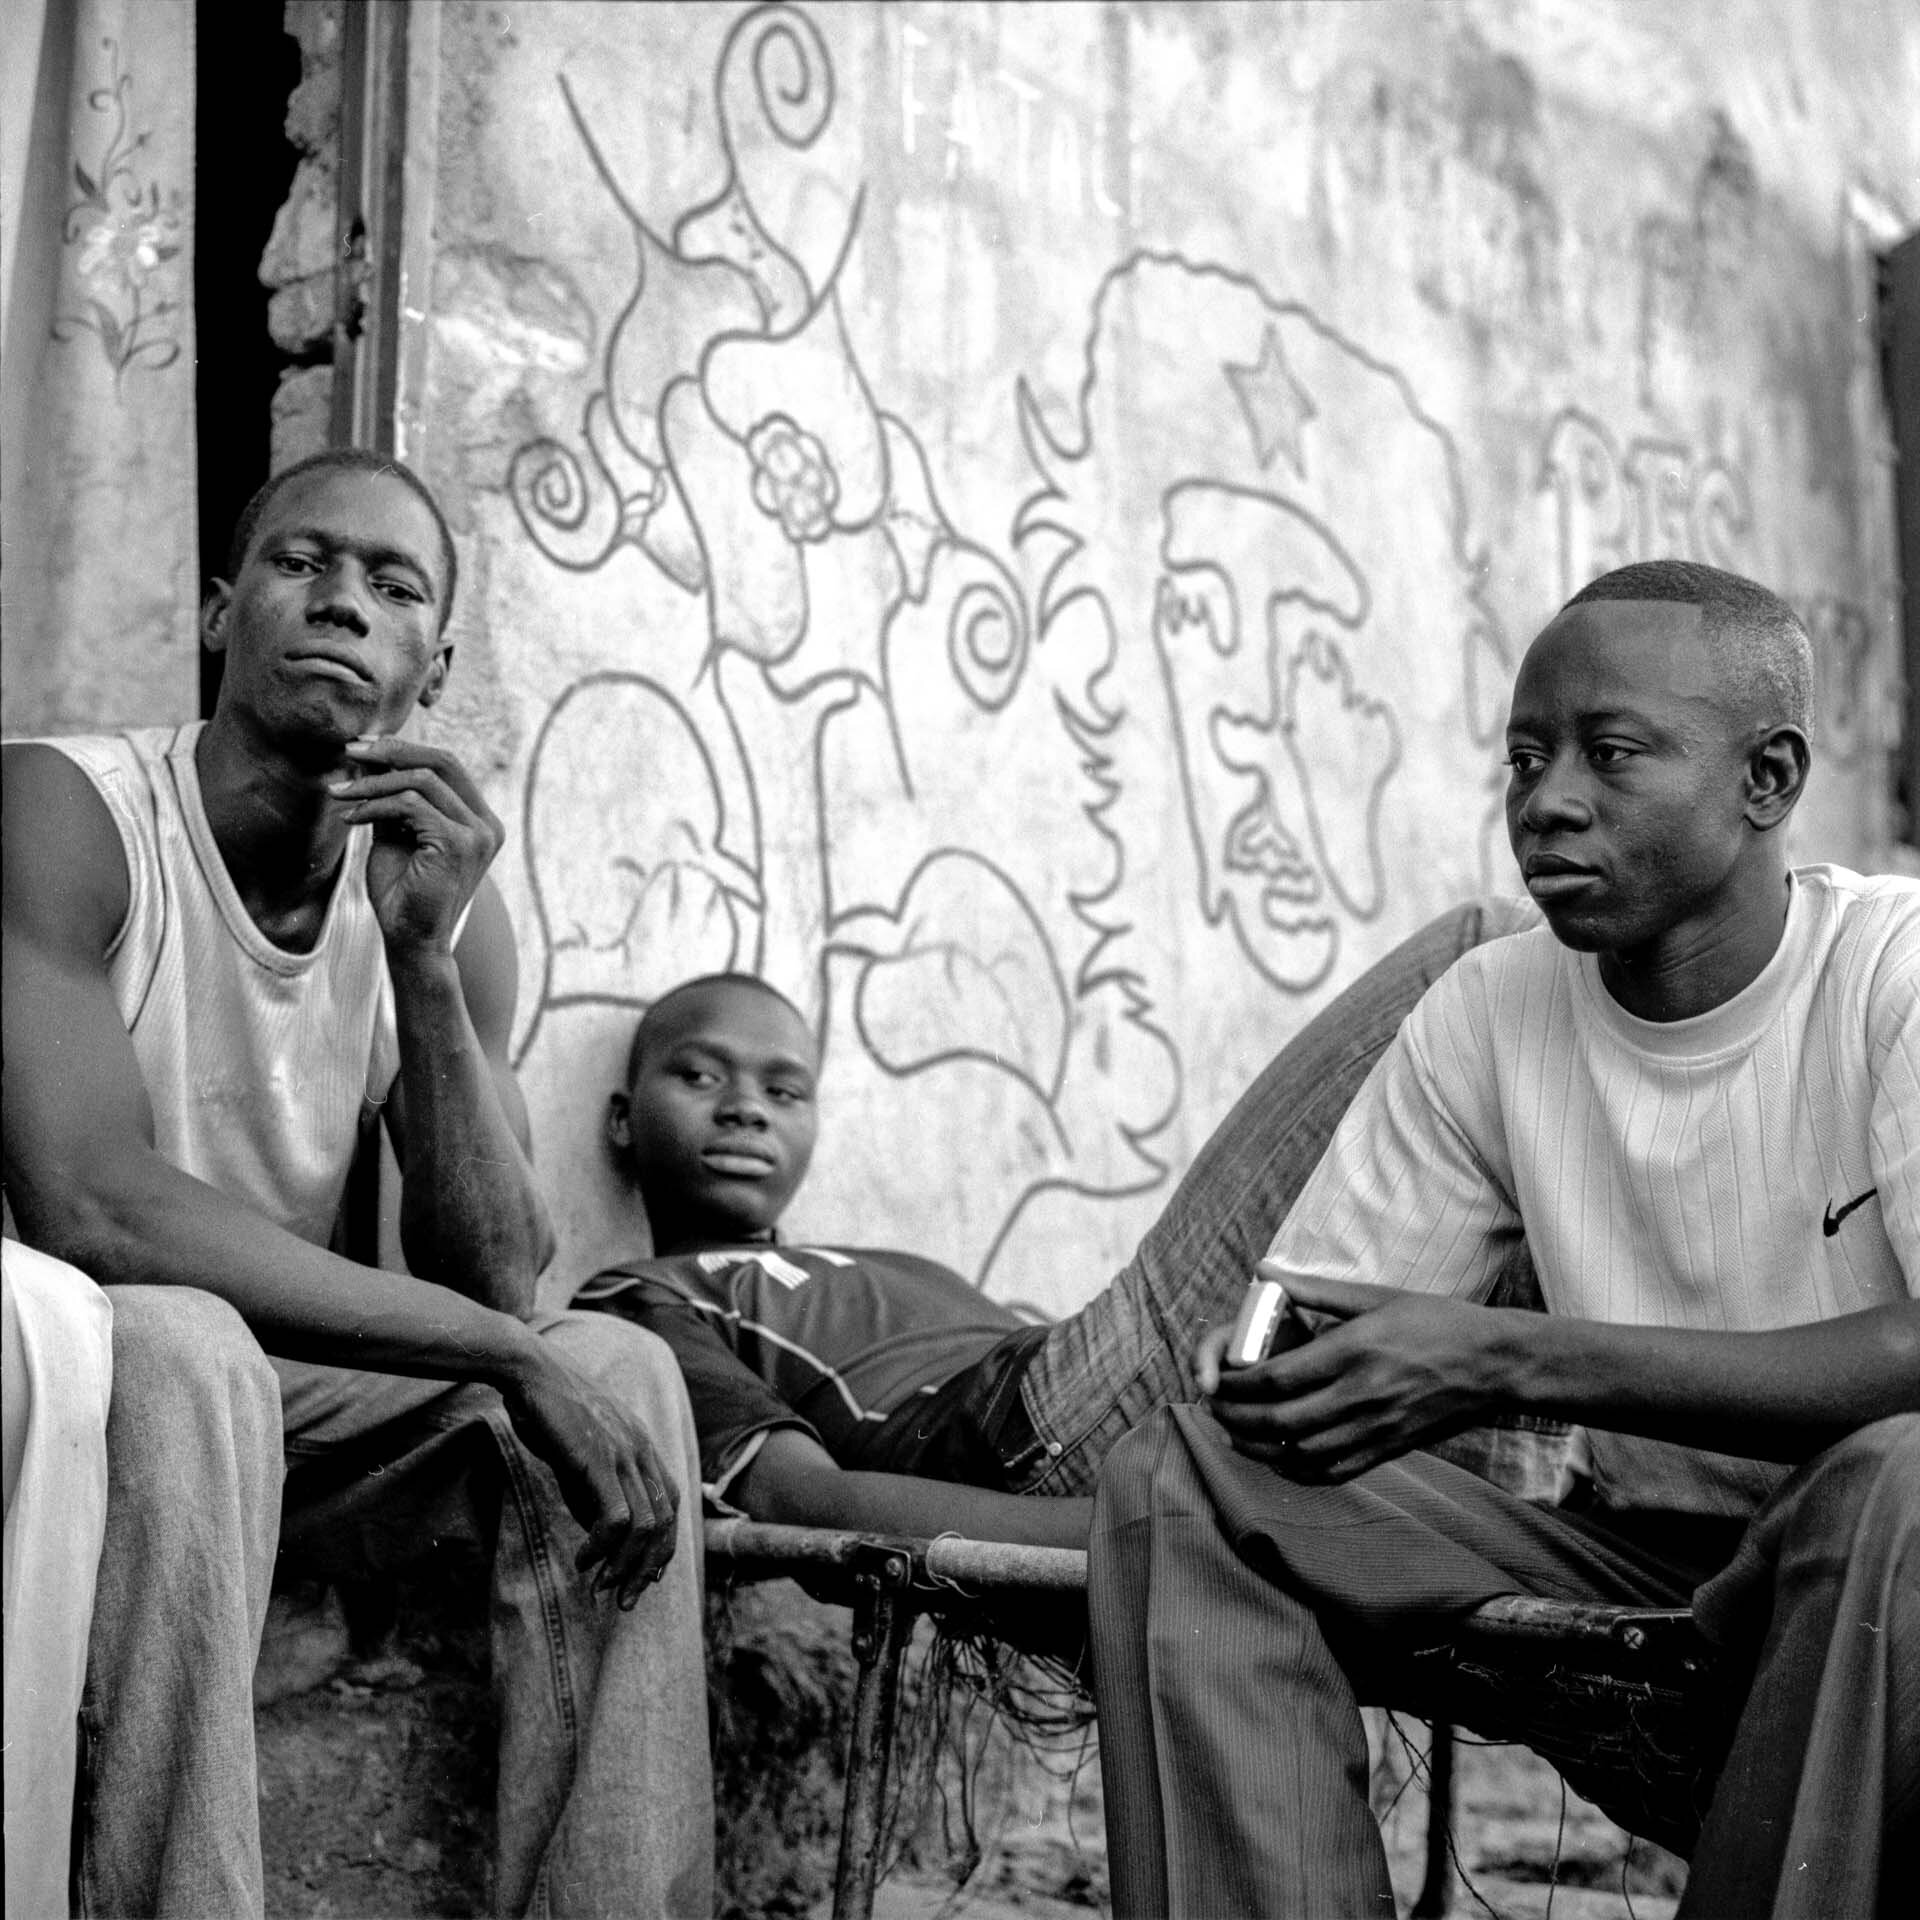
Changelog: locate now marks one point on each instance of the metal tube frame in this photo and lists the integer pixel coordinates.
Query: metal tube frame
(891, 1580)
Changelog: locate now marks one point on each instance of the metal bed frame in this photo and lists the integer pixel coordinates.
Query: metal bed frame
(1613, 1696)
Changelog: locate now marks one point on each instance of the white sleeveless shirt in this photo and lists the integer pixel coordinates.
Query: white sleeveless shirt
(258, 1062)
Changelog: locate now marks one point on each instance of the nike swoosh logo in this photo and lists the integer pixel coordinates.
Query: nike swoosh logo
(1831, 1224)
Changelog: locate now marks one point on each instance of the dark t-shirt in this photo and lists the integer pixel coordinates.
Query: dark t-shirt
(839, 1343)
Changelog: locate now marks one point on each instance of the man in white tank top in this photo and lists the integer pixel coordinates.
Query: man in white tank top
(228, 948)
(1696, 1094)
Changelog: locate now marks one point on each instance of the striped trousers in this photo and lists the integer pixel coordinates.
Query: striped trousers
(1239, 1620)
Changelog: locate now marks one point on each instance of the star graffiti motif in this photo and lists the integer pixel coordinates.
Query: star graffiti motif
(1277, 407)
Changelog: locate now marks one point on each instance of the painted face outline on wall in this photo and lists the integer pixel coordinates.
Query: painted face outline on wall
(1307, 644)
(1255, 613)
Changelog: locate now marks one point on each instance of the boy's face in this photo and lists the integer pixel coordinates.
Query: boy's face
(718, 1124)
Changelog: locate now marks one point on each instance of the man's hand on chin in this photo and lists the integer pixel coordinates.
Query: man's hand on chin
(434, 837)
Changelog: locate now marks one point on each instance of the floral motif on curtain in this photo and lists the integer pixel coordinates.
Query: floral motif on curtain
(126, 231)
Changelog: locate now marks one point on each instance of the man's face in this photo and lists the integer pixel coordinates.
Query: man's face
(333, 626)
(718, 1125)
(1626, 804)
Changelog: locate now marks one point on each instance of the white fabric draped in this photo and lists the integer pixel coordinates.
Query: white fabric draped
(59, 1329)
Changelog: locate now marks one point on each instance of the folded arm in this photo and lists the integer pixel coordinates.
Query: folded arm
(87, 1185)
(792, 1480)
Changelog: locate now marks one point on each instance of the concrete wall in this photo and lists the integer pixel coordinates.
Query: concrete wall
(1017, 521)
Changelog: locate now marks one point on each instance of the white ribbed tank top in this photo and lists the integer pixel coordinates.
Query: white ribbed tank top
(258, 1062)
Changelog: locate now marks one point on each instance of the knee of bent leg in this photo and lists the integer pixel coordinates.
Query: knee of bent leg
(607, 1348)
(189, 1345)
(634, 1366)
(1871, 1480)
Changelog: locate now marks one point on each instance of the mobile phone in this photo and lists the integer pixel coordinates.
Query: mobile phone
(1267, 1322)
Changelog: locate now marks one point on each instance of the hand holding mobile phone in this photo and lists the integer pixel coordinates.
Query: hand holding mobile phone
(1267, 1323)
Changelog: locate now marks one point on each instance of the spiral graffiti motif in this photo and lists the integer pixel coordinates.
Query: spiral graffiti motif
(549, 480)
(792, 76)
(987, 642)
(574, 523)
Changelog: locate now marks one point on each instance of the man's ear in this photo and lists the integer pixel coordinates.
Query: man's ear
(1777, 770)
(619, 1122)
(437, 675)
(214, 610)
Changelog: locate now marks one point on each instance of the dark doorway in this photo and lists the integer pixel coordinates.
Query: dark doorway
(246, 67)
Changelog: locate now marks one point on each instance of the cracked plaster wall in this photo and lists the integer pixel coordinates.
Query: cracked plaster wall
(1017, 522)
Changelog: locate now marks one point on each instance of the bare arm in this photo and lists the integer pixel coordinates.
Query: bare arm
(1402, 1368)
(470, 1213)
(793, 1480)
(471, 1216)
(83, 1175)
(87, 1185)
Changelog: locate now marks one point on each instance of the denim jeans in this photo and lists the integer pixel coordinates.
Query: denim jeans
(605, 1795)
(605, 1799)
(168, 1818)
(1102, 1370)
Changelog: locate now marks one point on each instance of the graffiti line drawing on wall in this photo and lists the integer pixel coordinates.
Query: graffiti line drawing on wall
(735, 443)
(651, 896)
(953, 820)
(1650, 499)
(1261, 590)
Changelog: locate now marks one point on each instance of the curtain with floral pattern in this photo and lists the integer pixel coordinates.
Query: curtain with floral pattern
(99, 573)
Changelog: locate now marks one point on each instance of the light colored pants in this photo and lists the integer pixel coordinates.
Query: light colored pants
(169, 1818)
(1239, 1619)
(605, 1800)
(1103, 1370)
(605, 1796)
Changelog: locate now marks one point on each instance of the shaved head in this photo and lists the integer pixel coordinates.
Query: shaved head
(347, 460)
(1762, 657)
(717, 1122)
(659, 1018)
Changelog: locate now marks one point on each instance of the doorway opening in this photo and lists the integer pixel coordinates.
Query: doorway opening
(246, 67)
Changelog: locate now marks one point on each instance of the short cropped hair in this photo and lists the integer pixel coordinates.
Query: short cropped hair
(1758, 644)
(345, 460)
(650, 1020)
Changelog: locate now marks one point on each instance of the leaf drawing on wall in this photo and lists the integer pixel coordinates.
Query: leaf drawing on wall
(963, 970)
(650, 894)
